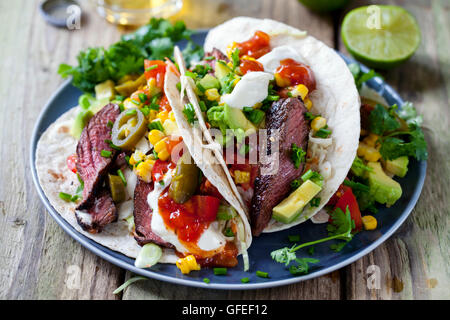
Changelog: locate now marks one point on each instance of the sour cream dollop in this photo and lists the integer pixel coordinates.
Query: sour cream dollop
(271, 60)
(251, 89)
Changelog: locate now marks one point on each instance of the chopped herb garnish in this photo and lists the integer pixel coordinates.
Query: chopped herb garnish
(156, 124)
(220, 271)
(262, 274)
(110, 124)
(405, 143)
(191, 74)
(119, 97)
(143, 97)
(273, 98)
(153, 106)
(122, 177)
(309, 116)
(228, 232)
(294, 238)
(356, 186)
(235, 58)
(314, 202)
(155, 154)
(203, 107)
(179, 86)
(105, 153)
(311, 250)
(206, 280)
(161, 182)
(245, 280)
(296, 183)
(65, 196)
(254, 115)
(127, 159)
(200, 87)
(297, 155)
(121, 107)
(381, 120)
(302, 266)
(145, 111)
(136, 102)
(210, 58)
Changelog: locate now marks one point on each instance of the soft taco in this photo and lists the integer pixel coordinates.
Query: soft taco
(262, 74)
(134, 176)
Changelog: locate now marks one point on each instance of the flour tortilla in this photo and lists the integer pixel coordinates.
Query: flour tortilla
(336, 98)
(56, 144)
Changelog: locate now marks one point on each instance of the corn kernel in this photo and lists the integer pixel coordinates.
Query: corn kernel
(152, 115)
(164, 155)
(318, 123)
(369, 153)
(369, 222)
(172, 116)
(154, 136)
(308, 103)
(160, 145)
(212, 94)
(187, 264)
(282, 82)
(230, 49)
(136, 157)
(300, 91)
(241, 176)
(144, 170)
(371, 139)
(163, 116)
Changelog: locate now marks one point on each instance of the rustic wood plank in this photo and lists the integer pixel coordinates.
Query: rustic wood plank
(293, 13)
(38, 260)
(414, 262)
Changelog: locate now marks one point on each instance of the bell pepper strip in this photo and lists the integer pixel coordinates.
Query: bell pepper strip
(129, 128)
(348, 199)
(72, 162)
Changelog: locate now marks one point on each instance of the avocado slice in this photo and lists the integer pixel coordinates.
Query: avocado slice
(209, 82)
(291, 207)
(105, 90)
(80, 121)
(398, 166)
(221, 70)
(236, 119)
(382, 188)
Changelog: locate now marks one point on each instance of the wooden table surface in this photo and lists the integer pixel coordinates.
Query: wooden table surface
(38, 260)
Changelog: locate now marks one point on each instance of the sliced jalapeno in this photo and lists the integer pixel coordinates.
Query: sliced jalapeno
(128, 87)
(129, 128)
(117, 188)
(185, 181)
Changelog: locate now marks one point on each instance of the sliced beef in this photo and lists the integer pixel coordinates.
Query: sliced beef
(98, 213)
(143, 216)
(91, 166)
(218, 55)
(286, 115)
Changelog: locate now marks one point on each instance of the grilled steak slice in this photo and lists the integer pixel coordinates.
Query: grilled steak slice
(91, 166)
(98, 213)
(143, 216)
(218, 55)
(286, 115)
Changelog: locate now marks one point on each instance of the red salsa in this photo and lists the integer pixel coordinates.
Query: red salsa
(256, 46)
(296, 73)
(248, 65)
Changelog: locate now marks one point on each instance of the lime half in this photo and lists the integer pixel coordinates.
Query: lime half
(380, 36)
(324, 5)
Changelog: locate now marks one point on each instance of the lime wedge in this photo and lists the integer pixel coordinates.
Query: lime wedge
(324, 5)
(380, 36)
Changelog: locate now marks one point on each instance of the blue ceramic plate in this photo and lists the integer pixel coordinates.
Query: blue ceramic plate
(389, 219)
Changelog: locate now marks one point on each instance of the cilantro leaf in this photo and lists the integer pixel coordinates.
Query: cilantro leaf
(396, 145)
(381, 121)
(359, 76)
(409, 114)
(302, 266)
(284, 255)
(189, 112)
(297, 155)
(235, 58)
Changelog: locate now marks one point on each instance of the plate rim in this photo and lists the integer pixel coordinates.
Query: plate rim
(86, 242)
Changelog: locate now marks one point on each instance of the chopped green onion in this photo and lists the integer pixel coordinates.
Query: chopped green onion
(161, 182)
(179, 86)
(310, 116)
(121, 107)
(110, 124)
(228, 232)
(294, 238)
(135, 102)
(220, 271)
(120, 173)
(65, 196)
(323, 133)
(206, 280)
(105, 153)
(191, 74)
(315, 202)
(119, 97)
(143, 97)
(145, 111)
(156, 124)
(273, 98)
(127, 159)
(131, 112)
(152, 67)
(262, 274)
(200, 87)
(245, 280)
(202, 106)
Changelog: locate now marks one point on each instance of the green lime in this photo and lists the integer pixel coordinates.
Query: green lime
(380, 36)
(324, 5)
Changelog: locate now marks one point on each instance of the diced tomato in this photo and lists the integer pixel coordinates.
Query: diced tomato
(206, 207)
(296, 73)
(160, 168)
(340, 191)
(247, 65)
(349, 199)
(157, 72)
(72, 162)
(255, 47)
(164, 104)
